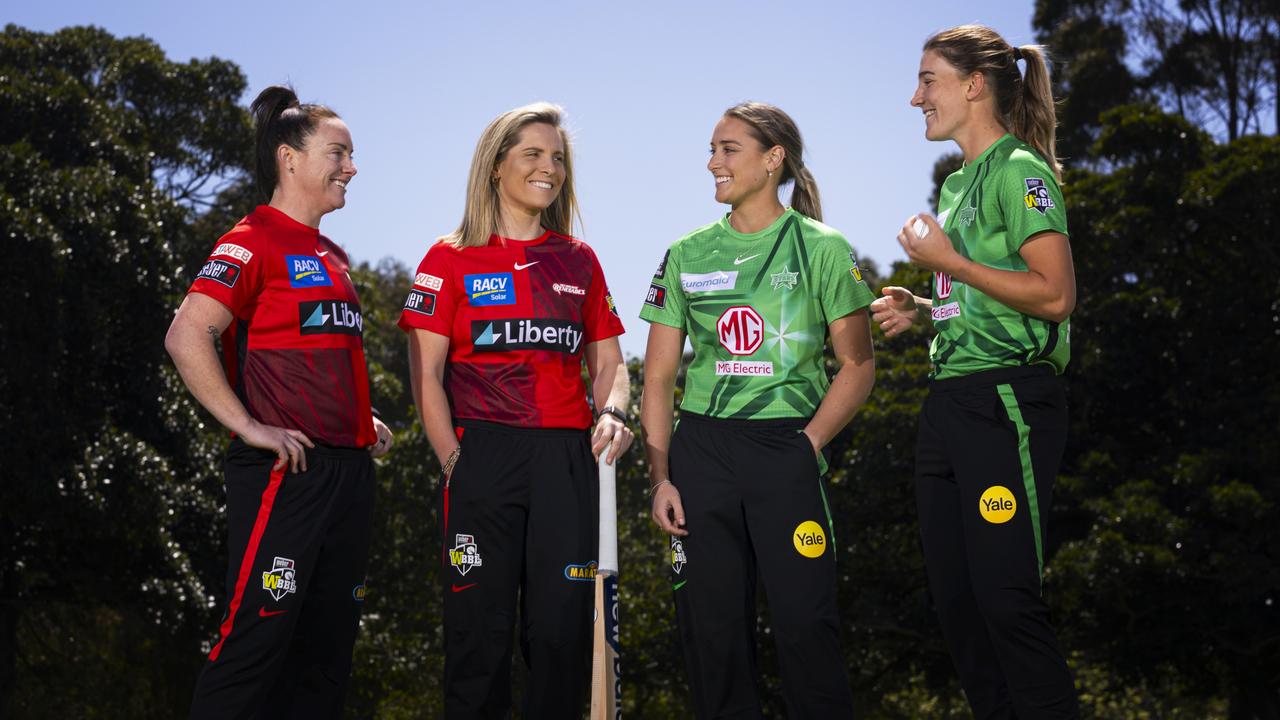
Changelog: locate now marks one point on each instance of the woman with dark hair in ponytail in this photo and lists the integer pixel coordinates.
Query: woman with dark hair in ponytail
(759, 294)
(294, 392)
(993, 427)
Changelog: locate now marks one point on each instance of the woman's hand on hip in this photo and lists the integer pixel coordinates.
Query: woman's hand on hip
(288, 445)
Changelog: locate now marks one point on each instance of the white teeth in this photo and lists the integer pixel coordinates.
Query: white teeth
(341, 183)
(722, 180)
(930, 113)
(541, 184)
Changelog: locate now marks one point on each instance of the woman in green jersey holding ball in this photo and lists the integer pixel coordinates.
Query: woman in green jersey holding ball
(758, 293)
(994, 425)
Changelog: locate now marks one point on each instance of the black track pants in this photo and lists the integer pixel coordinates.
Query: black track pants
(754, 504)
(519, 516)
(298, 549)
(986, 458)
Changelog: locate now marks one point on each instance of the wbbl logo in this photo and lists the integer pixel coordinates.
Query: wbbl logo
(281, 580)
(1037, 197)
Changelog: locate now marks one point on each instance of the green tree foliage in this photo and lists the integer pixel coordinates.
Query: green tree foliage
(101, 140)
(1171, 482)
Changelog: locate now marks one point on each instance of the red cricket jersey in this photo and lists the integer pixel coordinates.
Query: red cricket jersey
(294, 352)
(518, 315)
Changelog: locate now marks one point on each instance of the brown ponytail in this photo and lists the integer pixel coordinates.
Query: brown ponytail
(280, 120)
(1024, 103)
(771, 126)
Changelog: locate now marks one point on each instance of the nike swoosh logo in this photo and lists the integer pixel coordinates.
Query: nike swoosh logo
(322, 253)
(739, 261)
(263, 612)
(460, 588)
(521, 267)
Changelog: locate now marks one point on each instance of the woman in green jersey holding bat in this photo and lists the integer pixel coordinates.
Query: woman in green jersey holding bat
(993, 427)
(738, 486)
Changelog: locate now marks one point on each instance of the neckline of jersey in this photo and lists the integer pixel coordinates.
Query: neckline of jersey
(773, 227)
(990, 148)
(282, 220)
(500, 241)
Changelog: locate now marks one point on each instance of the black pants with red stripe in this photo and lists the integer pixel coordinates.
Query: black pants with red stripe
(988, 451)
(520, 521)
(299, 547)
(754, 503)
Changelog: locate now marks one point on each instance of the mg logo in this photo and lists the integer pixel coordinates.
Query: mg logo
(942, 282)
(740, 329)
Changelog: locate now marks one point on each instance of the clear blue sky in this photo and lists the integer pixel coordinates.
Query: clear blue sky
(643, 84)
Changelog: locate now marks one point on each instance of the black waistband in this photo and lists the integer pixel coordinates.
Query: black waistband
(789, 423)
(320, 449)
(987, 378)
(471, 424)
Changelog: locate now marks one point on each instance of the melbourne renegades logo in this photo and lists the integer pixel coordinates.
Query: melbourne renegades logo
(942, 285)
(740, 329)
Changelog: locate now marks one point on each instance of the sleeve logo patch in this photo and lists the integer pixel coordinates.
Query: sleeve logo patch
(307, 271)
(430, 282)
(423, 303)
(221, 272)
(657, 296)
(608, 298)
(232, 250)
(662, 266)
(490, 289)
(1037, 197)
(855, 272)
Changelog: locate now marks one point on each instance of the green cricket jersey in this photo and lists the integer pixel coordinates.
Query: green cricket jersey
(756, 309)
(989, 208)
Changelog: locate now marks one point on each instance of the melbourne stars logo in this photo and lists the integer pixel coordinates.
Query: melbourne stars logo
(785, 279)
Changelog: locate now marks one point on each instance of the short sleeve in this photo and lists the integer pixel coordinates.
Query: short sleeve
(664, 302)
(1031, 201)
(233, 274)
(599, 314)
(432, 301)
(841, 287)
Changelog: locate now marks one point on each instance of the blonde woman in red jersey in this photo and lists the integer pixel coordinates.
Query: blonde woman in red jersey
(502, 315)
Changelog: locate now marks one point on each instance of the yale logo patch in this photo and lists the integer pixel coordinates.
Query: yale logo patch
(997, 505)
(490, 289)
(809, 539)
(306, 271)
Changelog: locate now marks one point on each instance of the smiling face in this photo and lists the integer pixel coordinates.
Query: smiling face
(942, 93)
(531, 174)
(320, 172)
(740, 164)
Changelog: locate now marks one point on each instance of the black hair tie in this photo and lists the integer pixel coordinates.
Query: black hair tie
(1017, 54)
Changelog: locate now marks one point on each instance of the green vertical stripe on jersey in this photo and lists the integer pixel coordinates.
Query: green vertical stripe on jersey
(1028, 472)
(988, 208)
(756, 308)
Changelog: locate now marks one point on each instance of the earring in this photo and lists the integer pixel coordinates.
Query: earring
(770, 173)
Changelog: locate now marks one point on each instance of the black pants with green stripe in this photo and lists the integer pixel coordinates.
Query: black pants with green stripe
(754, 504)
(987, 454)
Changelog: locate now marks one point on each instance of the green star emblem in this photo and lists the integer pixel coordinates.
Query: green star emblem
(786, 279)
